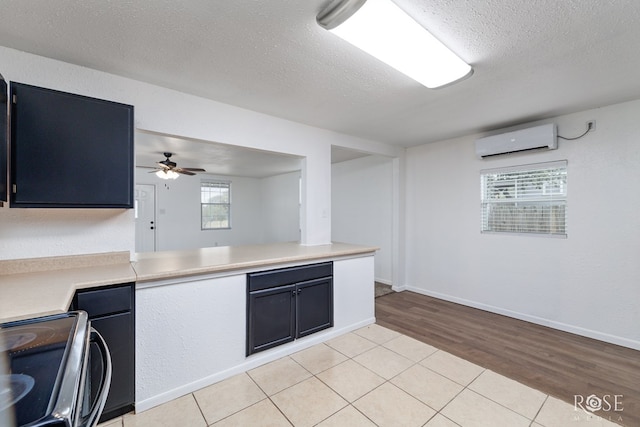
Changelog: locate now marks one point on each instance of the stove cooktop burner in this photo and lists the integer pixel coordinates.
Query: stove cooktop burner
(14, 387)
(18, 338)
(14, 341)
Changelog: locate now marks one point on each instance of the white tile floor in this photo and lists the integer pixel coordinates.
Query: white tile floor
(370, 377)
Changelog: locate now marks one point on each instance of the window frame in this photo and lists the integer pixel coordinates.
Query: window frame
(548, 203)
(220, 184)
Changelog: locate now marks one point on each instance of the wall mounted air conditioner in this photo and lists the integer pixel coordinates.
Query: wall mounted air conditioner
(520, 140)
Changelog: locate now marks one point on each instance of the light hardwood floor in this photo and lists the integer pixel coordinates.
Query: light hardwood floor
(557, 363)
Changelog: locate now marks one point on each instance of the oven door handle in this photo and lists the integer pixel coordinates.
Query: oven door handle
(91, 419)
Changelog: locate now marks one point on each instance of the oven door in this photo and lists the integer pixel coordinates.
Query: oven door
(83, 392)
(96, 380)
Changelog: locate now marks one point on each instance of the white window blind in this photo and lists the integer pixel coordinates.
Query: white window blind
(215, 201)
(525, 199)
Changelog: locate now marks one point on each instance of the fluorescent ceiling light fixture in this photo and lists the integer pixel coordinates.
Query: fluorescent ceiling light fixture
(167, 174)
(383, 30)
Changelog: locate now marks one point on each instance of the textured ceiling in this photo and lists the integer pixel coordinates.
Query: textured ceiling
(532, 59)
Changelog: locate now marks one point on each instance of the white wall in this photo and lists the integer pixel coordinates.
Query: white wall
(34, 233)
(263, 210)
(588, 283)
(362, 207)
(178, 212)
(68, 232)
(280, 208)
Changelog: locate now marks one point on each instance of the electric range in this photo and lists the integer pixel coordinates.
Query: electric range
(48, 383)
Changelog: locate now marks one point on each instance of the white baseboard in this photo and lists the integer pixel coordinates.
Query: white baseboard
(601, 336)
(250, 362)
(384, 281)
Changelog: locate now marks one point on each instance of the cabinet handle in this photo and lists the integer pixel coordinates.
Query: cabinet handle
(299, 291)
(293, 293)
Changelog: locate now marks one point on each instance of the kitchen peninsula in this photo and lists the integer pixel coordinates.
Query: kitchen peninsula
(191, 305)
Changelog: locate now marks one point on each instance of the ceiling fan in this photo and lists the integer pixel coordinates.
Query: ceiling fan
(167, 169)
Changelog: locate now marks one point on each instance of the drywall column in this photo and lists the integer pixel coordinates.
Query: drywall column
(315, 212)
(398, 236)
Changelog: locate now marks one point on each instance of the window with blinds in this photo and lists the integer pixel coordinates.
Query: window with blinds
(525, 199)
(215, 201)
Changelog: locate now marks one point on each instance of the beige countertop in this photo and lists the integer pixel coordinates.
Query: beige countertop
(39, 293)
(42, 286)
(170, 264)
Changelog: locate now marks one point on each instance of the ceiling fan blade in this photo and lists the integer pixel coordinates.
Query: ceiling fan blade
(146, 167)
(183, 171)
(165, 165)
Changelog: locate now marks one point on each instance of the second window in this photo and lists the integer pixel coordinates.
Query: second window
(215, 200)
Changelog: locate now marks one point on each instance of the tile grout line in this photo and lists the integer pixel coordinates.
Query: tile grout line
(531, 420)
(269, 397)
(540, 409)
(343, 397)
(464, 387)
(439, 411)
(388, 381)
(327, 385)
(335, 391)
(280, 410)
(199, 409)
(350, 404)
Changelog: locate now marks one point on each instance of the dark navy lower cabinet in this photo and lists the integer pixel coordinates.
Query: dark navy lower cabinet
(272, 317)
(112, 313)
(315, 306)
(286, 304)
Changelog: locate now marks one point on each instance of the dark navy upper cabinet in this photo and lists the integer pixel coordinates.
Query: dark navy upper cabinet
(69, 150)
(3, 140)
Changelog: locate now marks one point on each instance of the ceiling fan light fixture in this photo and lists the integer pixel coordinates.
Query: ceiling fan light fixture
(167, 174)
(385, 31)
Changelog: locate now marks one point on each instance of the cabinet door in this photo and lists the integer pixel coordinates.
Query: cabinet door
(4, 148)
(271, 315)
(111, 310)
(118, 332)
(69, 150)
(315, 306)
